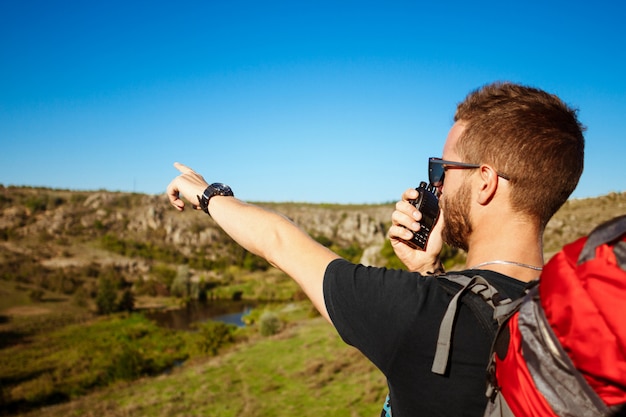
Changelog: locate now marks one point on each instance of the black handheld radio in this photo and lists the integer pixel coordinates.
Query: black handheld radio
(428, 204)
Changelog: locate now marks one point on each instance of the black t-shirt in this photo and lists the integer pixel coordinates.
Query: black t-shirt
(393, 318)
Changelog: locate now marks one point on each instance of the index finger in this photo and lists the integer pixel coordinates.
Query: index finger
(184, 169)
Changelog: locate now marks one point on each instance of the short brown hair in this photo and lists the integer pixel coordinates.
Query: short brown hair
(529, 135)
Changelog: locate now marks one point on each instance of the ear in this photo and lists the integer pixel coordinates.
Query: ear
(487, 184)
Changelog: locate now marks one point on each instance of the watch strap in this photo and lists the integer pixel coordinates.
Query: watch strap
(211, 191)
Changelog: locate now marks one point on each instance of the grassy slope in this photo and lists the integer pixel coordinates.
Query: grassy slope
(304, 371)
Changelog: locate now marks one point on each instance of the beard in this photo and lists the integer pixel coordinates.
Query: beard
(457, 224)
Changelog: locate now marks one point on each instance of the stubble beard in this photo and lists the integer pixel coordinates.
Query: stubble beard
(457, 224)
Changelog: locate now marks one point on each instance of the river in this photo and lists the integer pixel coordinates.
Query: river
(195, 312)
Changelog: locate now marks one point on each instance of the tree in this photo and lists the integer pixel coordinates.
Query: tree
(107, 295)
(127, 301)
(181, 287)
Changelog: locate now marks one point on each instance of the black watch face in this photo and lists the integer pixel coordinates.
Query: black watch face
(225, 189)
(213, 190)
(221, 189)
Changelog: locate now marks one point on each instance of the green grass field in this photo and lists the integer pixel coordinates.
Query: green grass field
(306, 370)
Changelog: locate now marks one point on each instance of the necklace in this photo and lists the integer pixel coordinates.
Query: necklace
(499, 262)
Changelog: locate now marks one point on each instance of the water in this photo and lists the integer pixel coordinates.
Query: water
(233, 318)
(183, 318)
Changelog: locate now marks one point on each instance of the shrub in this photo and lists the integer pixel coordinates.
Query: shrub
(214, 335)
(127, 363)
(151, 287)
(36, 203)
(269, 324)
(127, 301)
(164, 274)
(107, 294)
(181, 285)
(81, 297)
(203, 288)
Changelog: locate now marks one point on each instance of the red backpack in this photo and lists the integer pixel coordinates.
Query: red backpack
(561, 350)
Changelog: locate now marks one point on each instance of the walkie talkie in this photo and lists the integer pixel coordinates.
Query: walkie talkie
(428, 204)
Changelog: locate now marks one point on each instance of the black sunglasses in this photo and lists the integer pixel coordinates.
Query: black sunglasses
(437, 170)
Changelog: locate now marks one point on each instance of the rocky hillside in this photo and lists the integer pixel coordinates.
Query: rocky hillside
(578, 217)
(62, 240)
(60, 229)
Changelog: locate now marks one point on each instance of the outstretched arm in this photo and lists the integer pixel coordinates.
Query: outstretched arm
(262, 232)
(404, 221)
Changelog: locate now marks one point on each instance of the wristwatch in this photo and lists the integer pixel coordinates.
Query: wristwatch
(212, 190)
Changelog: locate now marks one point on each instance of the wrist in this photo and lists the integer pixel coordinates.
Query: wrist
(433, 267)
(435, 270)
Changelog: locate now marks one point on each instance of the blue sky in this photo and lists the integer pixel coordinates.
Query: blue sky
(325, 101)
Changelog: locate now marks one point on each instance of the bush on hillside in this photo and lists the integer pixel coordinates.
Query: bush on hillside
(214, 335)
(269, 323)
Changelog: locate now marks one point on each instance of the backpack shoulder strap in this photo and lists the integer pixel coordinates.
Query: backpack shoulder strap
(497, 405)
(482, 306)
(605, 233)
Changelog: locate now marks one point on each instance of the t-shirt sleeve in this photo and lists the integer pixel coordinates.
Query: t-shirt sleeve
(374, 308)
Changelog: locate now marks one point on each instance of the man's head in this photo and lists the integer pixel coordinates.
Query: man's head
(531, 137)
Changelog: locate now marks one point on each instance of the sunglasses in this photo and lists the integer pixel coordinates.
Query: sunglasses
(437, 170)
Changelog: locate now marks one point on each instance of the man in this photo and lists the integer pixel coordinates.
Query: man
(511, 159)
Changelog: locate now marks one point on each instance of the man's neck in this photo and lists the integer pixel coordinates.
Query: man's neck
(517, 243)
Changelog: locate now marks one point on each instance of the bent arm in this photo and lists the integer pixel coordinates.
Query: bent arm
(262, 232)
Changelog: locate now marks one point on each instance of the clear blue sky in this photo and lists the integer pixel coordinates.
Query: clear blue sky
(318, 101)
